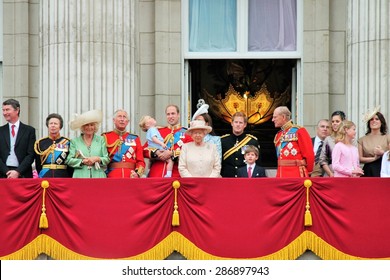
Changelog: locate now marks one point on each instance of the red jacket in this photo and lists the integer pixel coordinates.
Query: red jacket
(294, 145)
(126, 148)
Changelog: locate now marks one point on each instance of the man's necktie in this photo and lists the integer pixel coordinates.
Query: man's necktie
(317, 157)
(249, 171)
(13, 130)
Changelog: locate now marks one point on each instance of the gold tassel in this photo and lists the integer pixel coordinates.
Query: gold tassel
(308, 218)
(175, 217)
(43, 221)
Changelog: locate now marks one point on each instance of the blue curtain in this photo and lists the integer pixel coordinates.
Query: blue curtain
(213, 25)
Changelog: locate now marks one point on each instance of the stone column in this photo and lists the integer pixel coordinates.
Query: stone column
(20, 62)
(86, 58)
(368, 66)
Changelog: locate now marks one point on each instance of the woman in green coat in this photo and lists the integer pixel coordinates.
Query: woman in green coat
(88, 153)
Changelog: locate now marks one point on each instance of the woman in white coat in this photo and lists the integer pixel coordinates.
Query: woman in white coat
(199, 158)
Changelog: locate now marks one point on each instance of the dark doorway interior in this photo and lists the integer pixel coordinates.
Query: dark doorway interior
(256, 85)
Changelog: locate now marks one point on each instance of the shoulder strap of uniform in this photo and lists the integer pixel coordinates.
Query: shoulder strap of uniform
(252, 136)
(236, 147)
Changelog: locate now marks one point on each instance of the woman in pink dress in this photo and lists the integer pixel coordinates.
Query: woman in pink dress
(345, 155)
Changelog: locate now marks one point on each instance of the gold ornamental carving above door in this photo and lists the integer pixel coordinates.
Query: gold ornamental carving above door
(258, 107)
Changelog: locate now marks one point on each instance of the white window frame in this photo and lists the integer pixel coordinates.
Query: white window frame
(1, 30)
(243, 53)
(1, 49)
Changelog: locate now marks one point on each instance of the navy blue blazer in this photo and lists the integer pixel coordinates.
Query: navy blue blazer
(24, 149)
(257, 172)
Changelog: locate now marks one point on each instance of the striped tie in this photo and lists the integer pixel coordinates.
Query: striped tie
(317, 157)
(249, 171)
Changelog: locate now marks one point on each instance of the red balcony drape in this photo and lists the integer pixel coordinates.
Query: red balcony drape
(260, 218)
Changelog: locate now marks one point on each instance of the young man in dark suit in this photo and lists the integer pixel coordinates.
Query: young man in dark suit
(251, 170)
(17, 143)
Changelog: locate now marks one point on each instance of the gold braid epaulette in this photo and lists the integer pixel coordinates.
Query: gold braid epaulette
(45, 154)
(167, 139)
(250, 135)
(114, 145)
(239, 145)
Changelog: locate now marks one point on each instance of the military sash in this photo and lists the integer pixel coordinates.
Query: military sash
(125, 147)
(285, 138)
(236, 147)
(173, 138)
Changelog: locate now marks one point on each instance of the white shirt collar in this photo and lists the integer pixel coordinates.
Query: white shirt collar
(17, 124)
(251, 165)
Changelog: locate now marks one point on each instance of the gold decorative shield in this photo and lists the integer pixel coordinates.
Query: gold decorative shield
(258, 108)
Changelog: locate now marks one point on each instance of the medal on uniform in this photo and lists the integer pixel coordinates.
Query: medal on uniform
(132, 143)
(180, 143)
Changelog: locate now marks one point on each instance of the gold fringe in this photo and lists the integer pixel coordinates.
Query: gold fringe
(175, 216)
(175, 241)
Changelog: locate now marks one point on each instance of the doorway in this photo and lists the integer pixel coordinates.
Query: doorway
(254, 86)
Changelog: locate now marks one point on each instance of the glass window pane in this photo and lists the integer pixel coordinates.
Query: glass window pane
(212, 25)
(272, 25)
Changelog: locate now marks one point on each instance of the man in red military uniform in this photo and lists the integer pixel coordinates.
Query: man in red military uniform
(125, 150)
(174, 137)
(294, 148)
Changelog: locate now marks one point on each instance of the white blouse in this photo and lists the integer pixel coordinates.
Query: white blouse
(385, 169)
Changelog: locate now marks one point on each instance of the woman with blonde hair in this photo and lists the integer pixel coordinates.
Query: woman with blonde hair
(345, 155)
(325, 159)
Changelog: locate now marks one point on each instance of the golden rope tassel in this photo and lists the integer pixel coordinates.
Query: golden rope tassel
(308, 218)
(43, 222)
(175, 217)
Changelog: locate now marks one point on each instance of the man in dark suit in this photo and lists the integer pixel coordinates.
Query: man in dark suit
(322, 131)
(251, 169)
(17, 143)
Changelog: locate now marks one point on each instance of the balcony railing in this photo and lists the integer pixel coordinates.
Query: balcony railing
(201, 218)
